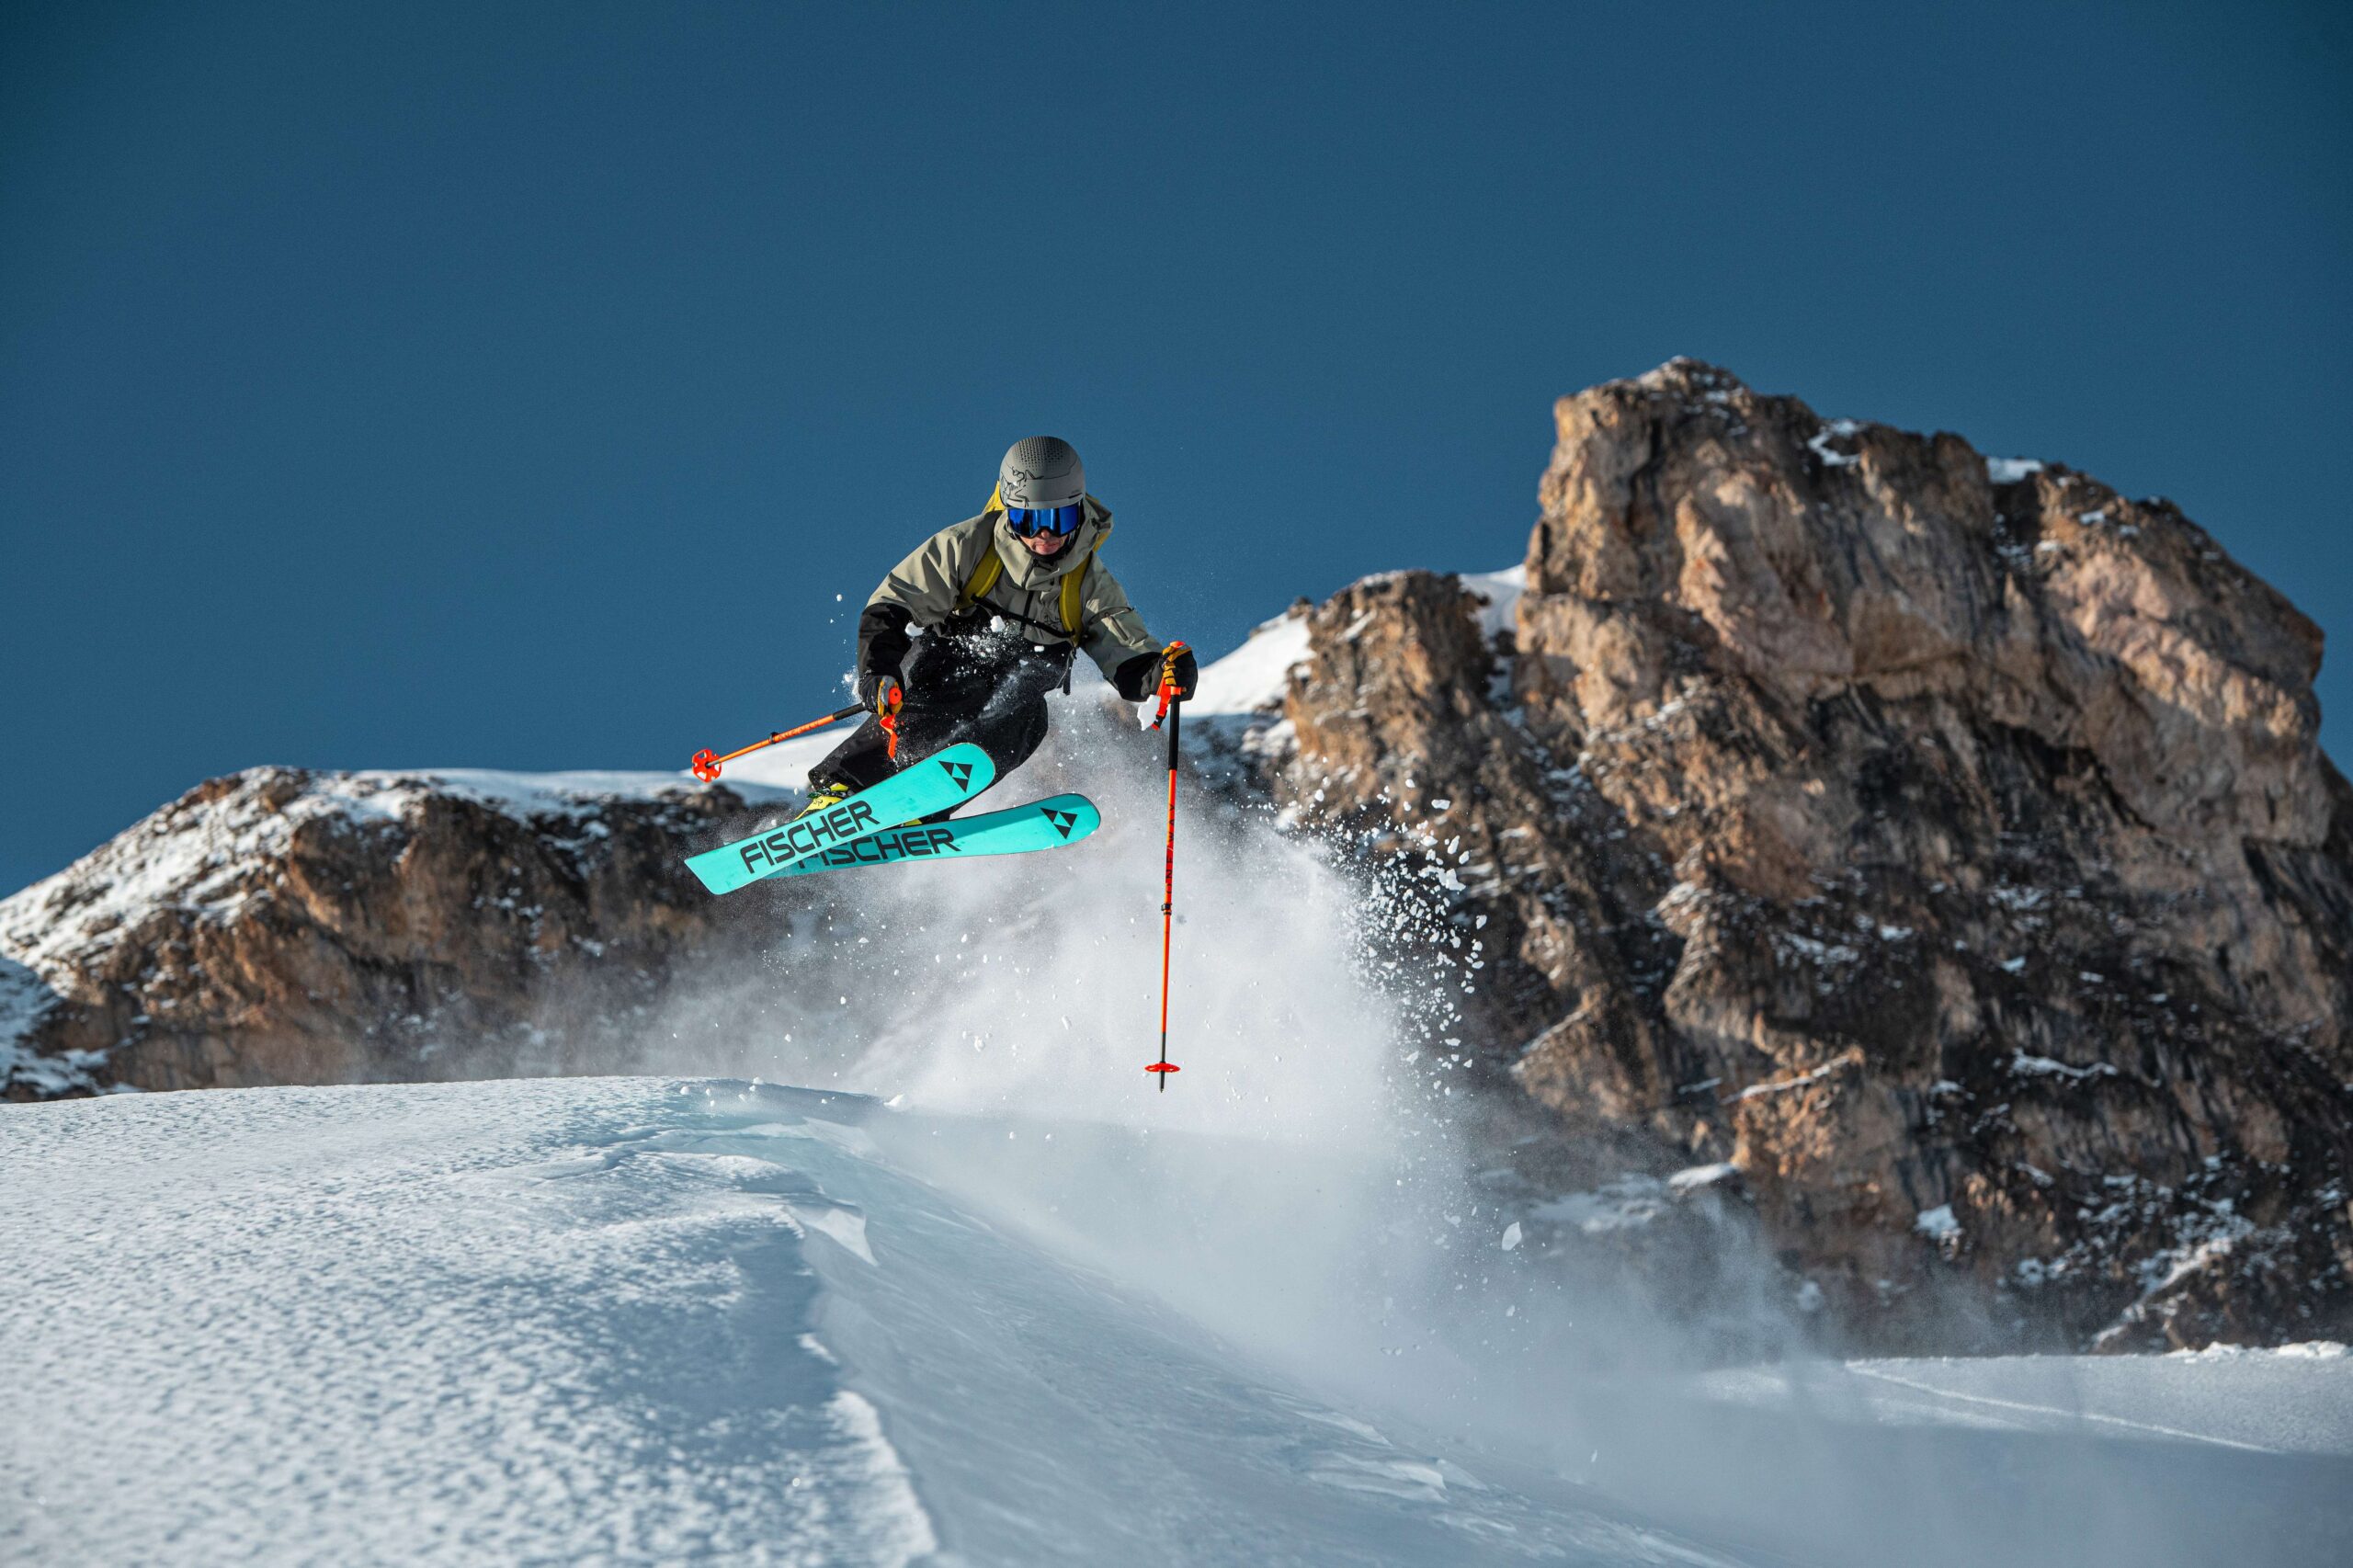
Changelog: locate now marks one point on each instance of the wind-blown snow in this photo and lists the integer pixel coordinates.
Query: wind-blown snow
(635, 1320)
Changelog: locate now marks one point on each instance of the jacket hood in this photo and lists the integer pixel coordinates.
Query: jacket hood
(1027, 571)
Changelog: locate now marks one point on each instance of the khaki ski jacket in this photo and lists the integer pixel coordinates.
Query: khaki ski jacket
(931, 589)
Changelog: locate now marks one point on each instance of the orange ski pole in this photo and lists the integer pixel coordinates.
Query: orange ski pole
(1172, 712)
(706, 767)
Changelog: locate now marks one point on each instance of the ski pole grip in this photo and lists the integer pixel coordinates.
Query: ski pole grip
(1167, 682)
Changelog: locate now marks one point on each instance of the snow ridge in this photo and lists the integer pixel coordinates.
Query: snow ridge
(637, 1319)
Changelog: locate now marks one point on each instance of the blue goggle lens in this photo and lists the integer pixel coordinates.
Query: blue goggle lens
(1027, 522)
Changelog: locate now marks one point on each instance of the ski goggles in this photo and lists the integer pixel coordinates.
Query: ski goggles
(1028, 522)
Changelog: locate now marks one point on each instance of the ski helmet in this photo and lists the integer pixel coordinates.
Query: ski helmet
(1041, 472)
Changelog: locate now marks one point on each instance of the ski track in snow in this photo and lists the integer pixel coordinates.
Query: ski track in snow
(2288, 1399)
(631, 1321)
(2024, 1408)
(2294, 1409)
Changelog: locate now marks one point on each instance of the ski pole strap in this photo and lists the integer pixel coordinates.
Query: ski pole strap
(705, 766)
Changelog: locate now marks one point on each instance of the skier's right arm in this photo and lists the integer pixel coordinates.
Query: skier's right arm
(882, 644)
(922, 591)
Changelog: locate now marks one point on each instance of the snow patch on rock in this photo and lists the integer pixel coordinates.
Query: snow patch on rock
(1253, 678)
(1502, 590)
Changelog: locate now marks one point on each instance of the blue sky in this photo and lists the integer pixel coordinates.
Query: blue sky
(516, 385)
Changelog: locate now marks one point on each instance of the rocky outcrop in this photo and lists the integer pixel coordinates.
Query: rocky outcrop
(1939, 851)
(283, 926)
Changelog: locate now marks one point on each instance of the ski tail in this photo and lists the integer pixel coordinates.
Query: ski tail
(1053, 823)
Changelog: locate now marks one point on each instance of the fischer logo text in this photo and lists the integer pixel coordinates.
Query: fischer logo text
(806, 836)
(906, 843)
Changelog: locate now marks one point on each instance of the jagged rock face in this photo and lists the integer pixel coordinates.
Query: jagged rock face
(280, 926)
(1948, 848)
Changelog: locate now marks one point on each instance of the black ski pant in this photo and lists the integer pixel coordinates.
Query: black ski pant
(989, 690)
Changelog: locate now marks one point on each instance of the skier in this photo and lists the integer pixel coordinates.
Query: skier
(1006, 602)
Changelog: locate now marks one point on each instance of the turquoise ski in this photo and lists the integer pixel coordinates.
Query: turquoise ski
(940, 782)
(1049, 823)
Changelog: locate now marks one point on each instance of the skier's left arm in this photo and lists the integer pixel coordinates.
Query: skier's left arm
(1115, 637)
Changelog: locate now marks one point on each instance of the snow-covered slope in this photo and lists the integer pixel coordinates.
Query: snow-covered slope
(635, 1320)
(659, 1319)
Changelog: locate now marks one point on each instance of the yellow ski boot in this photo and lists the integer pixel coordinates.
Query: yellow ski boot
(824, 797)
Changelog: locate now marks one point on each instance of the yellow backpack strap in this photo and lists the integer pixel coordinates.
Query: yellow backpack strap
(1074, 596)
(983, 579)
(985, 575)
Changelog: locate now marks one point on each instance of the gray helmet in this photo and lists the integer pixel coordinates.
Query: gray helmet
(1041, 471)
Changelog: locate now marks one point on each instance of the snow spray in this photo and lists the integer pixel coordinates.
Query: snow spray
(1309, 1190)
